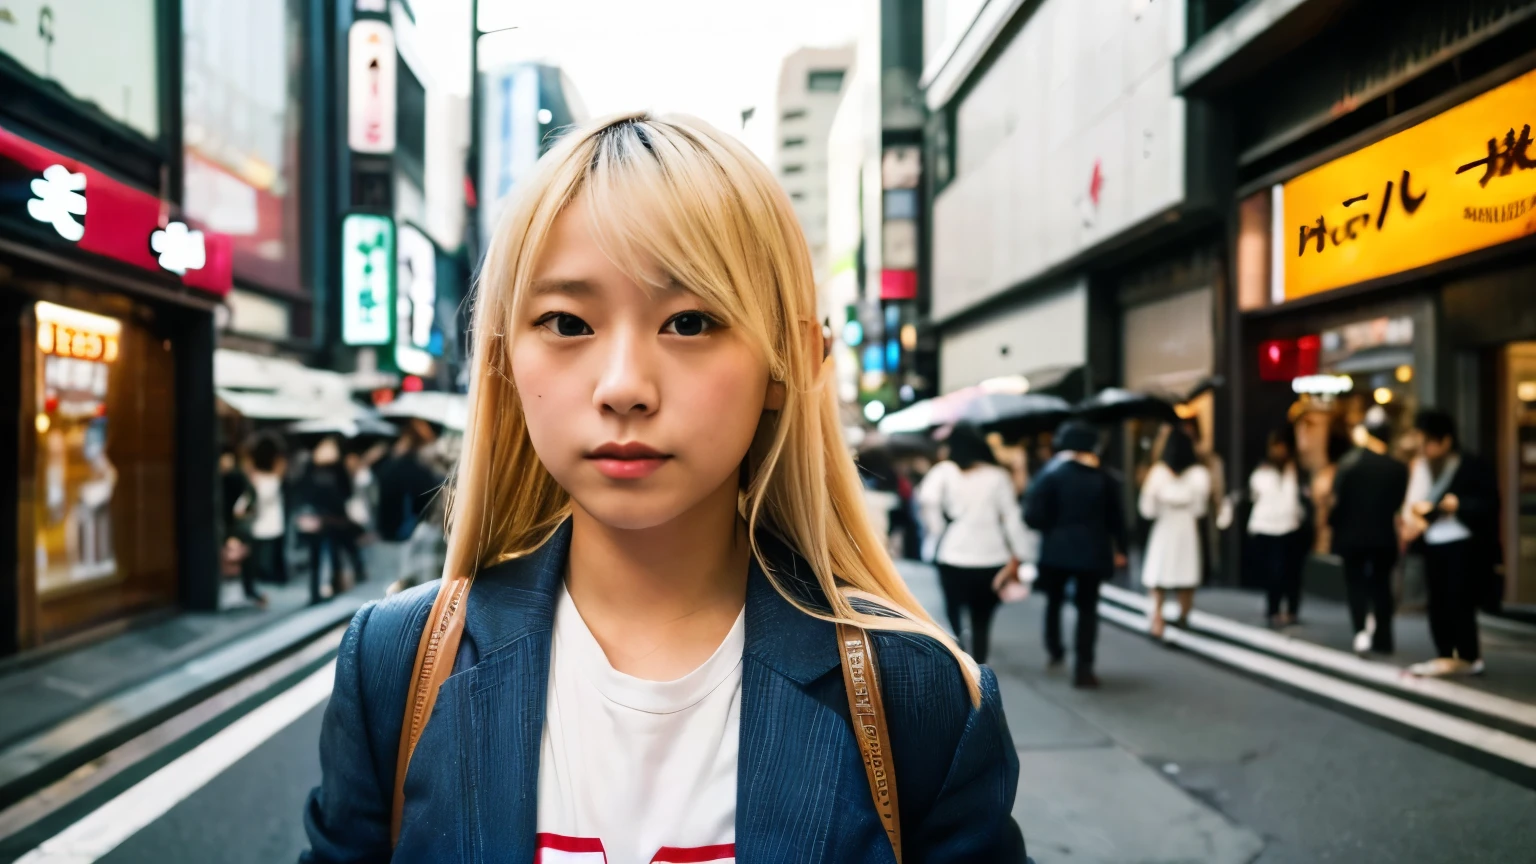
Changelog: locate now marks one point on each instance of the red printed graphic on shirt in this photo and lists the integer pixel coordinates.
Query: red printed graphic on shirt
(559, 849)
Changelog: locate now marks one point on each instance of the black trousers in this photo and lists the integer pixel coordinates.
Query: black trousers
(266, 562)
(970, 588)
(1279, 558)
(340, 541)
(1452, 584)
(1368, 583)
(1086, 599)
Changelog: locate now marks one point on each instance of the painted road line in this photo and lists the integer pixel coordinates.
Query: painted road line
(43, 803)
(1344, 663)
(1493, 742)
(106, 828)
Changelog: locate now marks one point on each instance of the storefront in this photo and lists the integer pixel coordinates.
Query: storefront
(1393, 271)
(106, 328)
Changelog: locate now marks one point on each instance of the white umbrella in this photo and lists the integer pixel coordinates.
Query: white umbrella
(449, 410)
(346, 427)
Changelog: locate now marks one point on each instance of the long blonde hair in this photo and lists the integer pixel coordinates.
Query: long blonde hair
(673, 196)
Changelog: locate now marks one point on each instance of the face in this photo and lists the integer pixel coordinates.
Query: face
(1279, 452)
(639, 402)
(1437, 448)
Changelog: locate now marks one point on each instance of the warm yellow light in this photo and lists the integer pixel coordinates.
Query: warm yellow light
(1383, 395)
(909, 337)
(43, 424)
(1186, 411)
(1526, 391)
(1404, 373)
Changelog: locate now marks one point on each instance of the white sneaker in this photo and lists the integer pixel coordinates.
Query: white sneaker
(1440, 667)
(1476, 668)
(1363, 642)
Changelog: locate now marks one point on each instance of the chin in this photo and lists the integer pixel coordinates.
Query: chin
(629, 510)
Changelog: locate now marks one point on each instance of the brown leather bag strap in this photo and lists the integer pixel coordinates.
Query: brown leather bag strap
(435, 654)
(861, 678)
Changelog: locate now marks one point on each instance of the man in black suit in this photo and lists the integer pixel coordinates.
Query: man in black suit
(1368, 493)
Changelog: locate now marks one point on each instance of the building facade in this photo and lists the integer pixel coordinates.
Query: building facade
(811, 84)
(1381, 236)
(107, 302)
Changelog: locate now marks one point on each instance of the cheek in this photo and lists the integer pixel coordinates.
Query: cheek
(547, 389)
(722, 399)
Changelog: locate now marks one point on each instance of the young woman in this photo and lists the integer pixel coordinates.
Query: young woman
(664, 524)
(1175, 496)
(969, 503)
(1276, 526)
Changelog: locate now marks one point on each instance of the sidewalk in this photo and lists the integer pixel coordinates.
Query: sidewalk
(1509, 647)
(64, 709)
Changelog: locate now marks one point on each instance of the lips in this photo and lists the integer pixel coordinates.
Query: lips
(628, 461)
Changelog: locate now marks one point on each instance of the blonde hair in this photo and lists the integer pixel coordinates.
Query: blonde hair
(675, 200)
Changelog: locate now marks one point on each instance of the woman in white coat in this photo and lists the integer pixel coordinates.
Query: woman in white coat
(1174, 497)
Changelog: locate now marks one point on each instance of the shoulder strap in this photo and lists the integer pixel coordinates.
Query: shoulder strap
(861, 678)
(435, 653)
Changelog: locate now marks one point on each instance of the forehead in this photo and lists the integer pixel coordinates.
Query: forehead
(575, 262)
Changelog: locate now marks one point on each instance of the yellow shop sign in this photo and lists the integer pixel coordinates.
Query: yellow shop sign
(1460, 181)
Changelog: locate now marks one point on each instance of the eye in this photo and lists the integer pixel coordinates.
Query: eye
(690, 324)
(564, 324)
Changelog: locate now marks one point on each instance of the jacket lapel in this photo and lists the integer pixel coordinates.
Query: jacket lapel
(793, 742)
(507, 630)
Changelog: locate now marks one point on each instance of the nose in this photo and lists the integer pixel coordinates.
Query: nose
(627, 386)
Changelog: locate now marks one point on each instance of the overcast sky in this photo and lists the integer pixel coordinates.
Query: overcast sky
(711, 58)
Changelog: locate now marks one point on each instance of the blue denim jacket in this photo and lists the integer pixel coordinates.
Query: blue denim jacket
(802, 794)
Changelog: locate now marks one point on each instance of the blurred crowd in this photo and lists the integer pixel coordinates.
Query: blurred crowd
(336, 509)
(999, 519)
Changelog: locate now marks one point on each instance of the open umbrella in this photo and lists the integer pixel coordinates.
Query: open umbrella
(1113, 405)
(362, 425)
(1015, 413)
(448, 410)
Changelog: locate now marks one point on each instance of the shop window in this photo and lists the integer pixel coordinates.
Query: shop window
(103, 512)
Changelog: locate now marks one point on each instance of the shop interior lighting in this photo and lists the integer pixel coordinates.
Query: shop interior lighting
(1404, 374)
(1383, 395)
(873, 411)
(1322, 385)
(1525, 391)
(43, 424)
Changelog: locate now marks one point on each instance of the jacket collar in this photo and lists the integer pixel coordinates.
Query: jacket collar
(516, 598)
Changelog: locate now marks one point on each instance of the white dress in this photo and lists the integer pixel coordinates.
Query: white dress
(1175, 505)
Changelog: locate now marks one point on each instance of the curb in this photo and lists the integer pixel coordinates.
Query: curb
(40, 759)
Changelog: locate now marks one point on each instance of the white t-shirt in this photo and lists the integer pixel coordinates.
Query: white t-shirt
(634, 771)
(1276, 501)
(267, 520)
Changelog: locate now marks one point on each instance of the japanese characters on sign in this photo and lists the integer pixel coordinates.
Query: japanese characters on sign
(1453, 184)
(367, 279)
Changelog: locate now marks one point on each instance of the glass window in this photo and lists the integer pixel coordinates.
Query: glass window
(824, 80)
(103, 509)
(793, 114)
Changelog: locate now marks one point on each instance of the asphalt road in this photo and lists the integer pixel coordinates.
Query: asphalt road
(1175, 759)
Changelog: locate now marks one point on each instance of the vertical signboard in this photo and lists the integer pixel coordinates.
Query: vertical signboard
(367, 279)
(509, 137)
(371, 63)
(416, 303)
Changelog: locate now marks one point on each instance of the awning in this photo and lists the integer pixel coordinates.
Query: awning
(291, 406)
(449, 410)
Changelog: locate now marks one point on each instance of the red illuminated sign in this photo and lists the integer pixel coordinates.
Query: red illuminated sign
(119, 220)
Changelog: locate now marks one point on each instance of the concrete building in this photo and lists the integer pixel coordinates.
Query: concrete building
(811, 84)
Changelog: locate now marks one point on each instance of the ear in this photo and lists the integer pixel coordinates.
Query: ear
(773, 400)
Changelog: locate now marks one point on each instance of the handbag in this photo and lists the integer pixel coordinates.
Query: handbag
(439, 645)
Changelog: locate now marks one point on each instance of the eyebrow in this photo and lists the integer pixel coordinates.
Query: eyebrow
(568, 287)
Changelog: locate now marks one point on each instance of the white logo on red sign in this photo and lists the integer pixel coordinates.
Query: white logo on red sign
(60, 198)
(180, 249)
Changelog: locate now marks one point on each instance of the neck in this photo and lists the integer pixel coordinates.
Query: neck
(1084, 457)
(661, 599)
(1376, 446)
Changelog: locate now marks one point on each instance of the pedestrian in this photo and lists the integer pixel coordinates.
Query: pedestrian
(405, 483)
(1368, 491)
(324, 489)
(1276, 527)
(656, 530)
(1175, 497)
(1077, 507)
(1452, 513)
(968, 502)
(878, 472)
(263, 506)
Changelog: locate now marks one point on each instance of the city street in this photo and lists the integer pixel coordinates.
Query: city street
(1174, 759)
